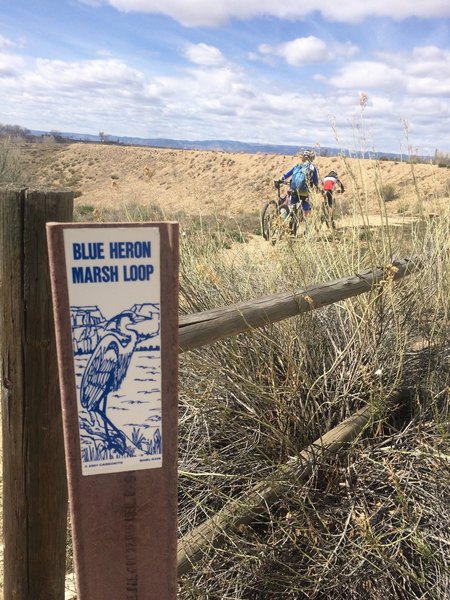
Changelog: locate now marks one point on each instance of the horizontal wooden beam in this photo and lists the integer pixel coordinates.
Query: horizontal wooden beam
(203, 328)
(243, 510)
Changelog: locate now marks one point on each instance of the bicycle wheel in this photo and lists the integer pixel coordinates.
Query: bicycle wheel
(269, 215)
(298, 220)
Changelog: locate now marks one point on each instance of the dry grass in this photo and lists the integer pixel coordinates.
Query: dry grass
(373, 522)
(369, 523)
(11, 164)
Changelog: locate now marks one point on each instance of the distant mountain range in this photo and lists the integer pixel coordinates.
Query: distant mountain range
(216, 145)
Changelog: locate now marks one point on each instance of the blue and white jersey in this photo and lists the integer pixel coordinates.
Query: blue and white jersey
(309, 169)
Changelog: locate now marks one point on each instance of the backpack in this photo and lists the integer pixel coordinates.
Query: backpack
(299, 180)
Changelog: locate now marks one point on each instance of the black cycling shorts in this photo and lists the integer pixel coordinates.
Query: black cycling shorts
(328, 197)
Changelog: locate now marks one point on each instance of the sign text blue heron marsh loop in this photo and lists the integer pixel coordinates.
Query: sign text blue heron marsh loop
(117, 251)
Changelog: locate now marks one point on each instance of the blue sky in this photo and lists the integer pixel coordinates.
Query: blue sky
(269, 71)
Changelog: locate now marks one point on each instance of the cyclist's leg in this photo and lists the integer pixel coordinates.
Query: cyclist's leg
(330, 201)
(306, 209)
(327, 215)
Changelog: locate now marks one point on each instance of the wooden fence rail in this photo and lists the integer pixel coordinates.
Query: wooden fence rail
(244, 509)
(203, 328)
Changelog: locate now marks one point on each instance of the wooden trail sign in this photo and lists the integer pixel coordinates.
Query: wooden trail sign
(115, 294)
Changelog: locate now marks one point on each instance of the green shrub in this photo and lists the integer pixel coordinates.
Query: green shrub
(387, 192)
(85, 209)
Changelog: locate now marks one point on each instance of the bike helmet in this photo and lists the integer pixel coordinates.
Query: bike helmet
(332, 174)
(310, 155)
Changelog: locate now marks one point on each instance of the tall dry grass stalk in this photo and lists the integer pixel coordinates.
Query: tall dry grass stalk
(11, 166)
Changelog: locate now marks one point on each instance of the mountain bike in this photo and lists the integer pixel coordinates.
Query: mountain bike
(279, 218)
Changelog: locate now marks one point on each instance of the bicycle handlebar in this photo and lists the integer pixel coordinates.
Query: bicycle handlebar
(279, 182)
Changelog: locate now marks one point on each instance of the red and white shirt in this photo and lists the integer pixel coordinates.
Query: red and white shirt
(329, 183)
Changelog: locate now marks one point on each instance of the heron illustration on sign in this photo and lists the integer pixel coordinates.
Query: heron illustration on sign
(104, 374)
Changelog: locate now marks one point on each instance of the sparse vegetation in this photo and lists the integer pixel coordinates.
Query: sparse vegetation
(373, 521)
(84, 209)
(388, 192)
(441, 159)
(365, 524)
(11, 167)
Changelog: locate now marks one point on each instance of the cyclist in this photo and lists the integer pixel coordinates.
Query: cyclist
(331, 183)
(304, 176)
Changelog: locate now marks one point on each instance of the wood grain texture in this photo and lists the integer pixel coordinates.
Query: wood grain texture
(35, 496)
(203, 328)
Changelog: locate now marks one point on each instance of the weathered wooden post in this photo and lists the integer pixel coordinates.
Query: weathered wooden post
(34, 480)
(115, 291)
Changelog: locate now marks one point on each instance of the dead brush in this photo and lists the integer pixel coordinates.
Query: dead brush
(367, 524)
(363, 526)
(12, 168)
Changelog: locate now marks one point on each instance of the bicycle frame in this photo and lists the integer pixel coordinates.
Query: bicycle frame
(283, 216)
(282, 199)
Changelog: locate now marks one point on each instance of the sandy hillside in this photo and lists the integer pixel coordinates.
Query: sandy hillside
(202, 182)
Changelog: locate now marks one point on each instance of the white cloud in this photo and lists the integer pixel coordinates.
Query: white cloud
(197, 13)
(428, 86)
(6, 43)
(425, 61)
(84, 75)
(368, 74)
(429, 53)
(308, 50)
(348, 49)
(10, 65)
(379, 106)
(110, 95)
(299, 52)
(423, 72)
(202, 54)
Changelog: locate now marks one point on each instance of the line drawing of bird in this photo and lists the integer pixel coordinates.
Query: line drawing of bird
(105, 372)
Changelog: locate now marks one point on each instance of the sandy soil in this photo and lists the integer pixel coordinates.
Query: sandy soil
(206, 182)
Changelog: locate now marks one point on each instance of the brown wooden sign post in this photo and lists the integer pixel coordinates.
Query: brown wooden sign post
(115, 294)
(34, 479)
